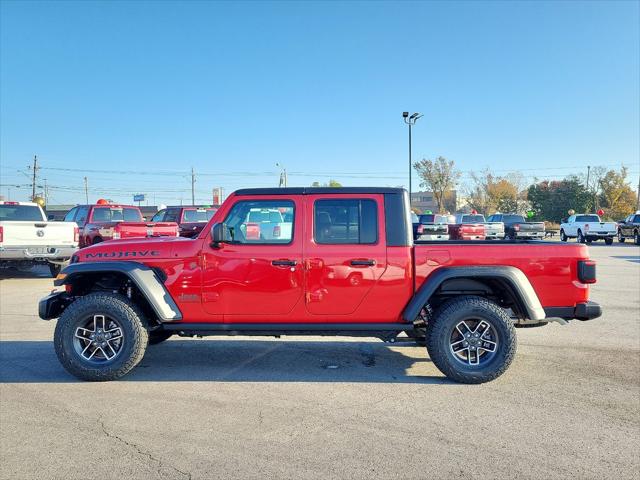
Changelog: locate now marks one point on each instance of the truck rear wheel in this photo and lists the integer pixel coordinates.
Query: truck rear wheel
(100, 337)
(581, 238)
(608, 240)
(621, 238)
(563, 236)
(471, 340)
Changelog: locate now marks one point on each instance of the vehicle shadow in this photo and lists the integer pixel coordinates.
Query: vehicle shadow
(39, 271)
(241, 361)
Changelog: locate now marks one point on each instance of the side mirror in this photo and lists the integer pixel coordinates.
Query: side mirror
(218, 234)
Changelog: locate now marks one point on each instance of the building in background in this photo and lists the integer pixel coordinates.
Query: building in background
(423, 201)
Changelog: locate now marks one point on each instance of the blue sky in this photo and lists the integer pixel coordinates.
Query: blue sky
(133, 94)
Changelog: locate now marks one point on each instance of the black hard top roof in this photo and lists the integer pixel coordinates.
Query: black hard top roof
(316, 190)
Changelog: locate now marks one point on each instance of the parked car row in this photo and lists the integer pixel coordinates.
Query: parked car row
(27, 238)
(473, 226)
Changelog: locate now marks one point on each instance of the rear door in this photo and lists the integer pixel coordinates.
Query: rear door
(344, 251)
(258, 276)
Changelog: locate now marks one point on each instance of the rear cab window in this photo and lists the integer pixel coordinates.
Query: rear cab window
(197, 215)
(21, 213)
(348, 221)
(116, 214)
(587, 218)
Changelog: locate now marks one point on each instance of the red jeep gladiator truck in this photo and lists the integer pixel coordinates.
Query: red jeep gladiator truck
(102, 222)
(343, 263)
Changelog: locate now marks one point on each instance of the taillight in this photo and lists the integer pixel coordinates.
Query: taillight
(116, 235)
(276, 231)
(1, 234)
(420, 229)
(587, 271)
(516, 228)
(586, 227)
(76, 234)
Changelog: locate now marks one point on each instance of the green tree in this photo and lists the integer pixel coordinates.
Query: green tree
(490, 194)
(551, 199)
(440, 176)
(330, 183)
(616, 196)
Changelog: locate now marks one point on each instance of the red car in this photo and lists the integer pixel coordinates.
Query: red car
(101, 222)
(343, 263)
(191, 219)
(467, 227)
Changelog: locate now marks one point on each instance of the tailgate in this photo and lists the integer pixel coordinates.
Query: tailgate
(532, 227)
(37, 233)
(143, 229)
(435, 229)
(473, 229)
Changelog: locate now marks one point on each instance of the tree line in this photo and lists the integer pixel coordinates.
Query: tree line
(550, 200)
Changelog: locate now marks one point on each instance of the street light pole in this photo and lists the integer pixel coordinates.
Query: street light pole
(411, 121)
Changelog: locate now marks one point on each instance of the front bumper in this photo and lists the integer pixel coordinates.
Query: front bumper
(582, 311)
(45, 252)
(52, 305)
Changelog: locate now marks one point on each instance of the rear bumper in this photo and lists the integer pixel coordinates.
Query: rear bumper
(529, 234)
(434, 236)
(50, 252)
(499, 235)
(582, 311)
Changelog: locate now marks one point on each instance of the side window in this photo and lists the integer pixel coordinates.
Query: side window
(172, 215)
(158, 216)
(345, 222)
(261, 222)
(70, 214)
(81, 217)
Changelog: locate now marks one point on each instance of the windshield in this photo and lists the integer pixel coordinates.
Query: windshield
(116, 214)
(587, 218)
(472, 219)
(513, 219)
(193, 215)
(21, 213)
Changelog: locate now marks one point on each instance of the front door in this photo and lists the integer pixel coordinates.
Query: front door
(258, 276)
(345, 253)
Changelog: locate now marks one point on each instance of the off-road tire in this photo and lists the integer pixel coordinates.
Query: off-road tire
(608, 240)
(54, 269)
(444, 322)
(116, 306)
(158, 336)
(563, 236)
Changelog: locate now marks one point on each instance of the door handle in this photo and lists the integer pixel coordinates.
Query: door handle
(363, 263)
(284, 263)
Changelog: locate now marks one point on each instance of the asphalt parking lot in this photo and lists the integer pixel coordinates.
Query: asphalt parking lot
(569, 406)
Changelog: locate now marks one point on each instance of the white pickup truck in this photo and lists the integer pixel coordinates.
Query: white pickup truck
(27, 239)
(586, 228)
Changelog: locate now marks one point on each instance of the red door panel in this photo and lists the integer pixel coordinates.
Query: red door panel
(339, 276)
(256, 281)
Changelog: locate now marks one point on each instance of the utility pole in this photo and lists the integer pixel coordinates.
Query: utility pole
(35, 173)
(193, 187)
(46, 192)
(86, 189)
(588, 173)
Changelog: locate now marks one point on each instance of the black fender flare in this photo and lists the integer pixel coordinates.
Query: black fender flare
(142, 276)
(516, 280)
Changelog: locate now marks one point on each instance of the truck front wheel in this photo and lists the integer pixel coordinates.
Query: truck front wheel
(100, 337)
(471, 340)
